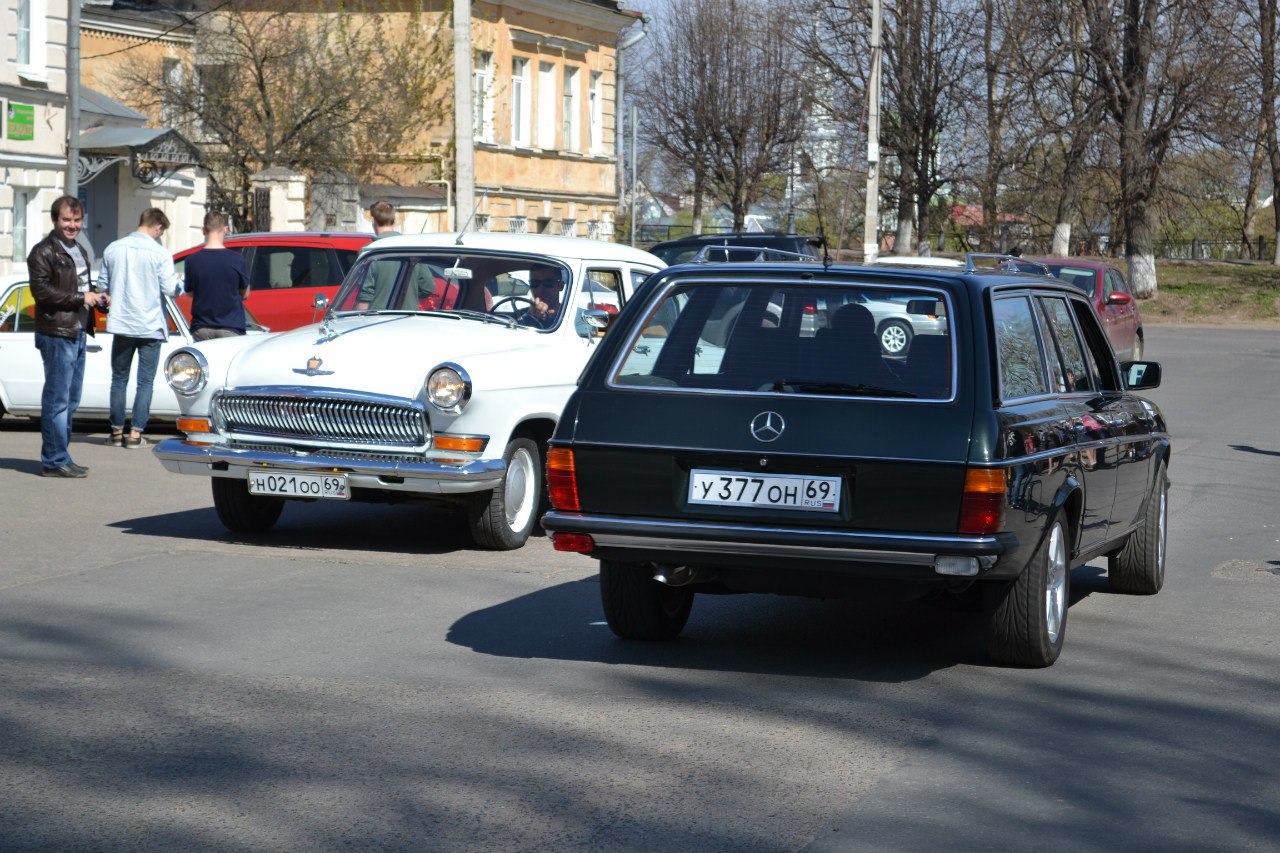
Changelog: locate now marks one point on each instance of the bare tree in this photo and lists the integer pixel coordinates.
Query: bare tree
(725, 96)
(676, 83)
(303, 86)
(1154, 62)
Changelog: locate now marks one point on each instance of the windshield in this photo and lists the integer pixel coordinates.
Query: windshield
(521, 290)
(1082, 277)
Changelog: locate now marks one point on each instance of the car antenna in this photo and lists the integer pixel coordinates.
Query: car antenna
(474, 208)
(822, 232)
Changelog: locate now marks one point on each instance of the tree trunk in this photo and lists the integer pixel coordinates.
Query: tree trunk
(1061, 239)
(1267, 25)
(1139, 251)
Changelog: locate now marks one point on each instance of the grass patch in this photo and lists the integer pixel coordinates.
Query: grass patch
(1214, 292)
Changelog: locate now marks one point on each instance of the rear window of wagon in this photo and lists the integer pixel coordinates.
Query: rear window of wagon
(769, 337)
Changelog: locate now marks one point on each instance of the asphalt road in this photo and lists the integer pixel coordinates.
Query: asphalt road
(360, 679)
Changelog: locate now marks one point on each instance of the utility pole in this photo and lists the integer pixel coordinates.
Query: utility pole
(632, 218)
(871, 225)
(73, 98)
(463, 113)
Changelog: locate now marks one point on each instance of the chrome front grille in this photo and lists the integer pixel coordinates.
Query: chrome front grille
(321, 419)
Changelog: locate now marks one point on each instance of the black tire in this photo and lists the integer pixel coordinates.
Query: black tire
(895, 337)
(241, 512)
(1027, 617)
(501, 520)
(637, 606)
(1138, 567)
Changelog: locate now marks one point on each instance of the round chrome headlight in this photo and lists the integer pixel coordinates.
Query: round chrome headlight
(449, 388)
(186, 371)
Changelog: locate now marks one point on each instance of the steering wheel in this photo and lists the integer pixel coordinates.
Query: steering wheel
(493, 309)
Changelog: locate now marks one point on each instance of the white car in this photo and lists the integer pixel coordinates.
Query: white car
(22, 371)
(427, 379)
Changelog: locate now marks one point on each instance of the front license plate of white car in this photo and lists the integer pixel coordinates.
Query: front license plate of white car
(769, 491)
(332, 486)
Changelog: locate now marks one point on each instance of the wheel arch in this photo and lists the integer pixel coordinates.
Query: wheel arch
(537, 428)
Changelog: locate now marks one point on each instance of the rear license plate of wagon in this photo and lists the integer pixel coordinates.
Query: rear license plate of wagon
(768, 491)
(331, 486)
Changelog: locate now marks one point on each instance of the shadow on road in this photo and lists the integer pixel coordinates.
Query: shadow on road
(865, 640)
(373, 528)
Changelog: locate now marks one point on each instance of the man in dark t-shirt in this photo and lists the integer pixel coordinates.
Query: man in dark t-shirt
(218, 283)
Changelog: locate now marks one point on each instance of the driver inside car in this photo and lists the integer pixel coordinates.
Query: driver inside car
(545, 285)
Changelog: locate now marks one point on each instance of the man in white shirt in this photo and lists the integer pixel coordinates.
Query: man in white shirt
(138, 273)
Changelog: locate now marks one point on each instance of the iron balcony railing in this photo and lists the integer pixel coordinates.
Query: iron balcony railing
(320, 418)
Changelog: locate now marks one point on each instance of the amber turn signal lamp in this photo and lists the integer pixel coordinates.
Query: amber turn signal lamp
(194, 425)
(577, 543)
(562, 480)
(982, 509)
(466, 443)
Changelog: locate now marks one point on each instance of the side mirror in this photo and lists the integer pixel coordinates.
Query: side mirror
(597, 320)
(319, 305)
(1141, 375)
(1117, 297)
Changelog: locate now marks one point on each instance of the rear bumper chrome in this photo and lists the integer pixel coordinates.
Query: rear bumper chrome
(732, 544)
(424, 476)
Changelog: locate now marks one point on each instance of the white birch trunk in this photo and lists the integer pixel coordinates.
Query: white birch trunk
(1061, 240)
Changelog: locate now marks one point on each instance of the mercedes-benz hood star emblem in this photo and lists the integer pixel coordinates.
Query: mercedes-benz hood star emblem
(767, 426)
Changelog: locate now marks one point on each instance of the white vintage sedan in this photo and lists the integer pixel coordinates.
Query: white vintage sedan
(436, 374)
(22, 371)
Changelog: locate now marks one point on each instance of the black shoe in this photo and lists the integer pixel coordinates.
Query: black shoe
(70, 471)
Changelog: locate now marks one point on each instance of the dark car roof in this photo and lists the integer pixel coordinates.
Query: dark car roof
(981, 279)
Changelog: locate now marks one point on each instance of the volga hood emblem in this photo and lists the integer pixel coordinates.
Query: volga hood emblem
(313, 368)
(767, 426)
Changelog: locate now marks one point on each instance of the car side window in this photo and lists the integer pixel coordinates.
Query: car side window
(1017, 349)
(1115, 283)
(603, 289)
(1097, 347)
(276, 267)
(346, 260)
(1075, 374)
(12, 317)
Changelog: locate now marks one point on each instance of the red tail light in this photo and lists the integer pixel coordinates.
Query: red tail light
(982, 509)
(562, 479)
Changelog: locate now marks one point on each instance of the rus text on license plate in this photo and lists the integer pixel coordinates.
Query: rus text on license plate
(771, 491)
(333, 486)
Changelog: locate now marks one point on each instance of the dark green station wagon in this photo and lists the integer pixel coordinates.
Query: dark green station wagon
(741, 430)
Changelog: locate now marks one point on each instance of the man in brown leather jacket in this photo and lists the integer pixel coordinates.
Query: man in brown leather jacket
(59, 272)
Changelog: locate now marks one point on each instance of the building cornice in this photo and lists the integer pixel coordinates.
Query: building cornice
(582, 13)
(170, 31)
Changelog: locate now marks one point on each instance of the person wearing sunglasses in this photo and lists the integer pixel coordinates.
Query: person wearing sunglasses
(545, 286)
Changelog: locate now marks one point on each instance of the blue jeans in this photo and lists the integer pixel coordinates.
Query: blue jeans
(122, 349)
(63, 381)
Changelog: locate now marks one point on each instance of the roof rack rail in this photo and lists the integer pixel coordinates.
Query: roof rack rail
(763, 253)
(1007, 263)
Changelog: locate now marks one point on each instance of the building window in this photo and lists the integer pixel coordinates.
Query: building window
(571, 129)
(482, 222)
(596, 111)
(21, 228)
(482, 96)
(593, 229)
(520, 98)
(546, 105)
(171, 92)
(32, 34)
(568, 227)
(518, 225)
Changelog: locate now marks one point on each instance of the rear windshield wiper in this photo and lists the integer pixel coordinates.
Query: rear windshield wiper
(485, 316)
(857, 389)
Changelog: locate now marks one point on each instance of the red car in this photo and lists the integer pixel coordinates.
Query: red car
(1111, 297)
(286, 271)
